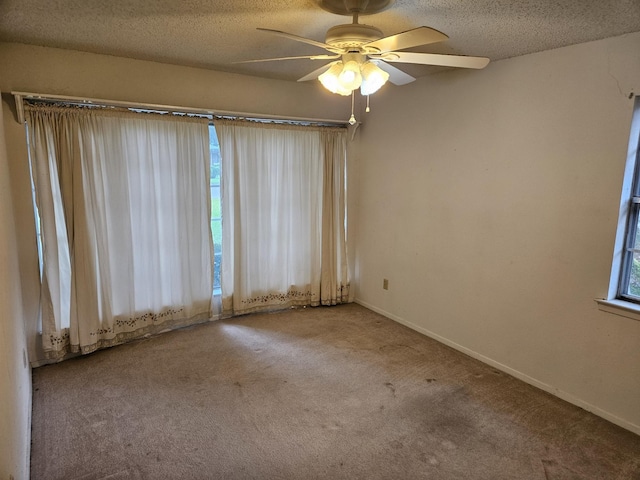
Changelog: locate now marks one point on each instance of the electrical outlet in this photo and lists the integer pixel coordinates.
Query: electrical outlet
(385, 284)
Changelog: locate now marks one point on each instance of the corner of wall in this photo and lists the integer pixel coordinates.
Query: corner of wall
(15, 376)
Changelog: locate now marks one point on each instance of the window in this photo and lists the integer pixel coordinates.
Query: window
(35, 209)
(127, 244)
(624, 286)
(629, 285)
(216, 217)
(284, 208)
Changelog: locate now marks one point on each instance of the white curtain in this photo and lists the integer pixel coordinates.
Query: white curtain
(124, 203)
(283, 220)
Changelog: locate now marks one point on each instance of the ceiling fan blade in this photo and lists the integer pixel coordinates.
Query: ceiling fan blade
(459, 61)
(291, 36)
(316, 73)
(396, 76)
(411, 38)
(308, 57)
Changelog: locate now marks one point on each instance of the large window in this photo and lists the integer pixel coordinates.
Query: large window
(216, 216)
(283, 207)
(126, 234)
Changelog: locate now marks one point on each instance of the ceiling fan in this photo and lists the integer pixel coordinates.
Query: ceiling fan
(361, 56)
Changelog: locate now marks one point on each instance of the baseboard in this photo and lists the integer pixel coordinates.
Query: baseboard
(514, 373)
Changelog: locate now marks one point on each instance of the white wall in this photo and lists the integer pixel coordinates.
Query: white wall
(489, 200)
(15, 374)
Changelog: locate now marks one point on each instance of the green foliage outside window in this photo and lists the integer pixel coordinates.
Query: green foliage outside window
(634, 278)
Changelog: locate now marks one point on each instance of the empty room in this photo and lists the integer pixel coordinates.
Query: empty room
(324, 239)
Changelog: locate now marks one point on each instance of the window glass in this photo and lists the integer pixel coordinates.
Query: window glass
(216, 217)
(628, 287)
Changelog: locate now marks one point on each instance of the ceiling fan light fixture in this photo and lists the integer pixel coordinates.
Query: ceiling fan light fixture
(373, 77)
(358, 51)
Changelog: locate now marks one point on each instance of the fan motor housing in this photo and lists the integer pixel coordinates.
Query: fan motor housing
(352, 35)
(349, 7)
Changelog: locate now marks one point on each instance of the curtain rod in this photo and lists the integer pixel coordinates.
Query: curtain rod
(20, 96)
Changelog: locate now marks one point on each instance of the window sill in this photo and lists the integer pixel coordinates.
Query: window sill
(619, 307)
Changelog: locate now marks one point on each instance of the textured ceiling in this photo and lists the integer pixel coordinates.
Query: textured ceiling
(215, 33)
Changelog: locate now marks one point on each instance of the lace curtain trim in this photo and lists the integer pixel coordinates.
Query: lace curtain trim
(294, 297)
(62, 346)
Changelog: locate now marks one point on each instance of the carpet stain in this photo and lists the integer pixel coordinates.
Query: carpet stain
(397, 347)
(390, 386)
(396, 445)
(553, 471)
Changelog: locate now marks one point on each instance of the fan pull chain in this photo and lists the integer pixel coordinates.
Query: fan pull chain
(367, 109)
(352, 119)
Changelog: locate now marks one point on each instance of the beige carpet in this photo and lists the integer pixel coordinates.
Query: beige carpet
(318, 393)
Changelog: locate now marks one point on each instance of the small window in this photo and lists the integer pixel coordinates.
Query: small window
(630, 277)
(628, 241)
(216, 217)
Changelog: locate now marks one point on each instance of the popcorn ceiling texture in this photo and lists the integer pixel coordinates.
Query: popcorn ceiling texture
(214, 33)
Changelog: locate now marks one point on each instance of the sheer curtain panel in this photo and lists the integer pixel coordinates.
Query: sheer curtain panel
(283, 202)
(124, 203)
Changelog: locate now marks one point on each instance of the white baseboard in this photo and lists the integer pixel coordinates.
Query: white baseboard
(514, 373)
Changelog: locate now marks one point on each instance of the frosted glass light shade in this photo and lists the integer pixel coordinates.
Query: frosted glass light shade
(373, 77)
(350, 77)
(331, 80)
(343, 77)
